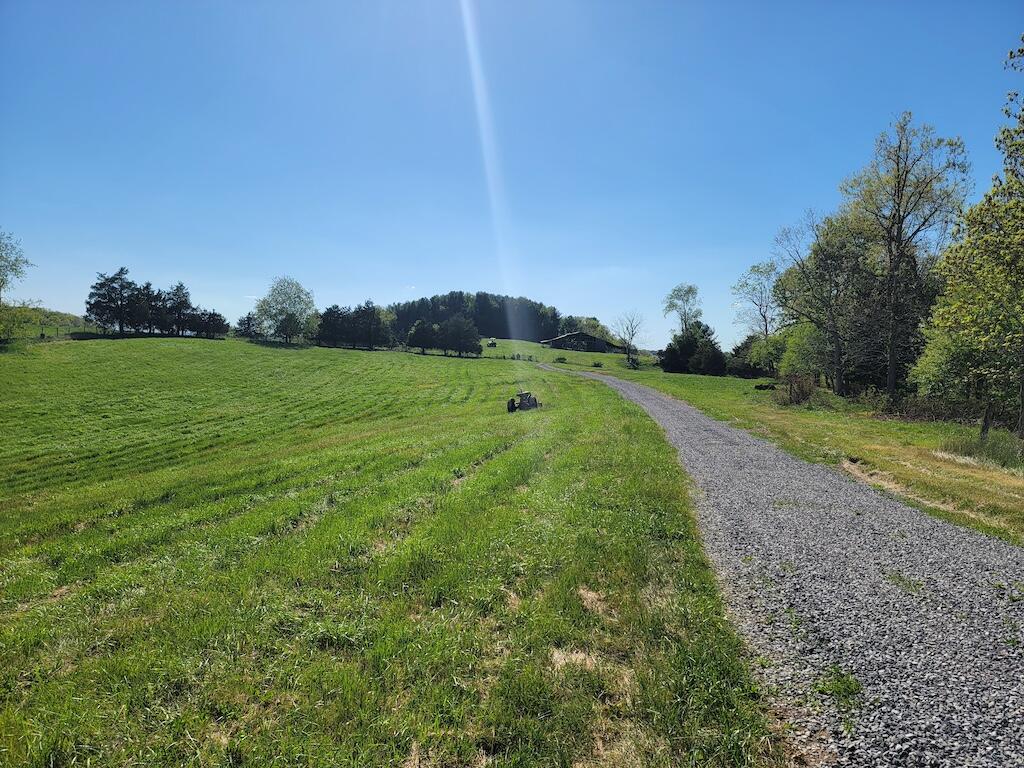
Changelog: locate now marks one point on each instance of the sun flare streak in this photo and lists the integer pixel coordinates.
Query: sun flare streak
(488, 143)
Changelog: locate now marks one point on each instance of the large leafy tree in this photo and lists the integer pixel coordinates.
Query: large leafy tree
(285, 297)
(288, 327)
(827, 273)
(978, 322)
(683, 302)
(12, 262)
(460, 336)
(911, 193)
(13, 265)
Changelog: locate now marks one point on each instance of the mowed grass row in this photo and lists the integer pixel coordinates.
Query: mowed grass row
(217, 553)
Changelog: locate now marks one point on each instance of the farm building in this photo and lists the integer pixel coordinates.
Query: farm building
(582, 342)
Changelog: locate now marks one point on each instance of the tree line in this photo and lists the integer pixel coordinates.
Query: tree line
(451, 322)
(288, 312)
(902, 290)
(117, 303)
(499, 316)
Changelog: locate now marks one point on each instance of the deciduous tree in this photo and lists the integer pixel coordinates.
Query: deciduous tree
(826, 268)
(12, 262)
(288, 327)
(628, 329)
(285, 297)
(978, 321)
(683, 302)
(911, 192)
(757, 305)
(460, 336)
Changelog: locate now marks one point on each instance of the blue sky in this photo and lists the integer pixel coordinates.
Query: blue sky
(630, 146)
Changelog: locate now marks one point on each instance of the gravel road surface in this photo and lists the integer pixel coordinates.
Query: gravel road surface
(828, 578)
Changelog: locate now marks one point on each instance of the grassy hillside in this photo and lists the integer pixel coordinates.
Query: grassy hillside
(216, 553)
(609, 361)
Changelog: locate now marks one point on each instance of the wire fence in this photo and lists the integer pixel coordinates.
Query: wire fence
(45, 331)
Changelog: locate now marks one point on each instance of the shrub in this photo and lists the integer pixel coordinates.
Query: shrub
(560, 360)
(873, 398)
(796, 389)
(597, 364)
(1001, 447)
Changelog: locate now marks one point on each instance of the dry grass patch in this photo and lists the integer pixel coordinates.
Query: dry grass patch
(593, 601)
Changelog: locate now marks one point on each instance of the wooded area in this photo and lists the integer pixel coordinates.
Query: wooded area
(902, 291)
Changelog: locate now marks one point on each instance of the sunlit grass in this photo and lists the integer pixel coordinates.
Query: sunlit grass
(608, 361)
(219, 553)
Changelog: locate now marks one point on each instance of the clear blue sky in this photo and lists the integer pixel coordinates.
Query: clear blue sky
(631, 146)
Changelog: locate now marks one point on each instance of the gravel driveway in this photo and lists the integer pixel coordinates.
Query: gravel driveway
(827, 578)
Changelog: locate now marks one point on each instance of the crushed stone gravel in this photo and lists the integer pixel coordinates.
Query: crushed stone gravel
(829, 578)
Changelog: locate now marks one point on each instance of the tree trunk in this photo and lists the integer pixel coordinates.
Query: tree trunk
(891, 366)
(893, 336)
(986, 420)
(837, 369)
(1020, 413)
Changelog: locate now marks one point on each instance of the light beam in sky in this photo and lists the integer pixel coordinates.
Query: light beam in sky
(488, 150)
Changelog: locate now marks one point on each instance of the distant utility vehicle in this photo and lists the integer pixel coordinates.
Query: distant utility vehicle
(526, 402)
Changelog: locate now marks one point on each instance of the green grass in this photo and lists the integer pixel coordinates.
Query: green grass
(217, 553)
(1001, 447)
(610, 361)
(841, 686)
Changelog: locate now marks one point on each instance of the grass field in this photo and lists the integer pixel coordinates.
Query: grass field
(217, 553)
(610, 362)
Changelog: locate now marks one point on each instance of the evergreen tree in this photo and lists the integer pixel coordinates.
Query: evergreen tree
(423, 335)
(110, 299)
(247, 327)
(460, 336)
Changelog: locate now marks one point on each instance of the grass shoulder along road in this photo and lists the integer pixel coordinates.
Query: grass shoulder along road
(901, 456)
(217, 553)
